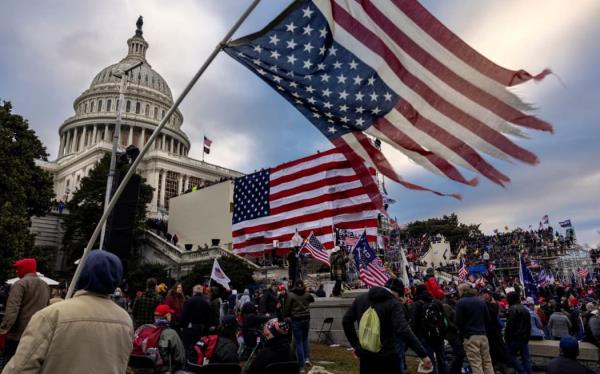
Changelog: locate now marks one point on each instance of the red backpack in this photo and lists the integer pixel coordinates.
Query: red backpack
(205, 349)
(145, 343)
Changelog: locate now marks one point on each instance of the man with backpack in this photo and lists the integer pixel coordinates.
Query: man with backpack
(160, 342)
(381, 320)
(517, 334)
(429, 323)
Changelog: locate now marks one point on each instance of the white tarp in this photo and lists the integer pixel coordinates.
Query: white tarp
(49, 282)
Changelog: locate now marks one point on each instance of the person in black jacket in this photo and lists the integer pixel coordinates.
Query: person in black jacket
(226, 348)
(195, 317)
(251, 325)
(276, 349)
(268, 301)
(517, 333)
(493, 330)
(392, 324)
(567, 361)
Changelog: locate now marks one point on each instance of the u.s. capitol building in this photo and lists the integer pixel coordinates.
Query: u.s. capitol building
(87, 136)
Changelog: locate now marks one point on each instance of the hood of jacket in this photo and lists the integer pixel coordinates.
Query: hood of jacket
(299, 291)
(102, 273)
(25, 266)
(379, 294)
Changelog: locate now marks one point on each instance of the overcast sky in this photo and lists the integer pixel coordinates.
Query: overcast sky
(51, 50)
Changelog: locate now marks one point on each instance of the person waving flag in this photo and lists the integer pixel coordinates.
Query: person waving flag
(313, 246)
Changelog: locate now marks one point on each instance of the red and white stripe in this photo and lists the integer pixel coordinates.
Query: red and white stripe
(317, 252)
(374, 275)
(311, 194)
(582, 272)
(454, 102)
(463, 272)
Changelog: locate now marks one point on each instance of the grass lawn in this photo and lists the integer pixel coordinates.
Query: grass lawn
(341, 361)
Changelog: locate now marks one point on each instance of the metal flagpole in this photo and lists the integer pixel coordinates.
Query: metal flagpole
(115, 143)
(150, 142)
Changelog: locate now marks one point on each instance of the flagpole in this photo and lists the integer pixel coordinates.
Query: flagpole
(150, 142)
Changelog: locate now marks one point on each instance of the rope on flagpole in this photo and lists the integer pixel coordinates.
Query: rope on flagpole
(150, 142)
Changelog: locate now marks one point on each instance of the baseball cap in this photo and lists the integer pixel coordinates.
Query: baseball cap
(163, 309)
(395, 285)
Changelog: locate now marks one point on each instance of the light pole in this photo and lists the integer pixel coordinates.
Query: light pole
(115, 143)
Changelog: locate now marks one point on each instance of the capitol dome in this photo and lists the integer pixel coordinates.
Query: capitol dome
(147, 99)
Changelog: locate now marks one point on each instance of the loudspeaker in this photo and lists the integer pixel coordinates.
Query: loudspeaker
(121, 226)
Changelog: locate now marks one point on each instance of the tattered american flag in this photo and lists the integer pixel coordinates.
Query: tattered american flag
(313, 193)
(391, 70)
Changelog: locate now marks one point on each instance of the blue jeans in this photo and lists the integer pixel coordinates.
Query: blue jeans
(300, 332)
(401, 354)
(520, 350)
(436, 346)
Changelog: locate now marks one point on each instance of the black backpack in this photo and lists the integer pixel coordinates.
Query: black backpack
(434, 322)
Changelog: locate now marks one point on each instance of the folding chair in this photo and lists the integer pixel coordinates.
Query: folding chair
(214, 368)
(288, 367)
(326, 331)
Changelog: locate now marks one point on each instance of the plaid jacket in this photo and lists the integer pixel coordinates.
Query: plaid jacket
(338, 265)
(143, 308)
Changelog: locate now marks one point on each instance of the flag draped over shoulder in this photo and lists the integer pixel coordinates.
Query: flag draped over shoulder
(370, 268)
(311, 194)
(529, 284)
(390, 70)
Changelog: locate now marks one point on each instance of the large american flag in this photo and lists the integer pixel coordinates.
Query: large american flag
(370, 269)
(316, 249)
(463, 272)
(314, 193)
(582, 272)
(391, 70)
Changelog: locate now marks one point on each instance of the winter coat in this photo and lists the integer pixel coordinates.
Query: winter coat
(564, 365)
(86, 334)
(392, 323)
(471, 315)
(28, 295)
(594, 324)
(338, 266)
(251, 328)
(422, 299)
(275, 350)
(195, 319)
(175, 301)
(268, 302)
(226, 351)
(297, 306)
(518, 324)
(537, 329)
(559, 325)
(169, 339)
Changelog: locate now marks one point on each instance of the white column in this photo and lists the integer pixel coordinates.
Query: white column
(107, 133)
(178, 147)
(155, 181)
(163, 145)
(94, 133)
(142, 138)
(172, 149)
(180, 184)
(82, 138)
(130, 139)
(61, 146)
(163, 185)
(75, 141)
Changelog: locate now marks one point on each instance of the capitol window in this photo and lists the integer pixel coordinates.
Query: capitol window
(155, 112)
(147, 112)
(137, 108)
(108, 103)
(128, 106)
(163, 114)
(99, 105)
(85, 108)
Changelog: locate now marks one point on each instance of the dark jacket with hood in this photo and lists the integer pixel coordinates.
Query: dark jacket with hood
(518, 324)
(392, 321)
(251, 324)
(422, 298)
(297, 305)
(268, 302)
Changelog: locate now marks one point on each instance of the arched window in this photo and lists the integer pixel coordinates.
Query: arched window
(85, 108)
(91, 107)
(146, 78)
(137, 108)
(128, 106)
(155, 112)
(163, 114)
(99, 105)
(108, 103)
(147, 112)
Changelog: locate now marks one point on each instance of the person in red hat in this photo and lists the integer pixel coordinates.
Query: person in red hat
(28, 295)
(168, 346)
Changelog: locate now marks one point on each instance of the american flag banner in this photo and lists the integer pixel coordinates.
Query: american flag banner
(582, 272)
(391, 70)
(463, 272)
(313, 193)
(565, 223)
(370, 269)
(314, 247)
(207, 144)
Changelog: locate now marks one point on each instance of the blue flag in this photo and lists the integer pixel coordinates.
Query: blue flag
(529, 283)
(370, 268)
